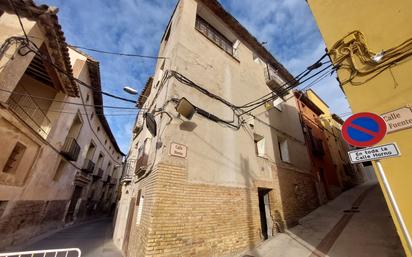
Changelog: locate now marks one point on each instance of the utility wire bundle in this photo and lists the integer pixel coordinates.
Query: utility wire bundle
(352, 53)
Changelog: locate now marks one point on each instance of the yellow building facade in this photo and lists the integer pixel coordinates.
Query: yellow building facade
(371, 42)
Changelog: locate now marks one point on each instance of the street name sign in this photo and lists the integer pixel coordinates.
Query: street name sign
(374, 153)
(364, 129)
(398, 119)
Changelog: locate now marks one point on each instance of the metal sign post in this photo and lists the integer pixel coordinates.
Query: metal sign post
(394, 204)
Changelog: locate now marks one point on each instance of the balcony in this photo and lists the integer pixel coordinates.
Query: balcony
(71, 149)
(107, 179)
(274, 82)
(88, 166)
(128, 170)
(141, 165)
(113, 181)
(98, 174)
(30, 113)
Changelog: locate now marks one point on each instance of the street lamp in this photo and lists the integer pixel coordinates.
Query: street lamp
(130, 90)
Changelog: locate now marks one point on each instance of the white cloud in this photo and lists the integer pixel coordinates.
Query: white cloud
(137, 26)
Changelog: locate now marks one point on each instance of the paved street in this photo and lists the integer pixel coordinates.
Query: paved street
(94, 240)
(357, 223)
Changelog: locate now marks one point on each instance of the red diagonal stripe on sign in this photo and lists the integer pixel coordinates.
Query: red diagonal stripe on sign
(364, 130)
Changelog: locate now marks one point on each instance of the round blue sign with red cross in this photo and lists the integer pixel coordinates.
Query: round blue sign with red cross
(364, 129)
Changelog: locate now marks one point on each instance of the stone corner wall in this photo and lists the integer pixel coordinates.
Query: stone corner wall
(180, 218)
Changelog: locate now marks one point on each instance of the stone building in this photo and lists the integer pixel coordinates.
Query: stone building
(219, 182)
(349, 175)
(328, 180)
(59, 160)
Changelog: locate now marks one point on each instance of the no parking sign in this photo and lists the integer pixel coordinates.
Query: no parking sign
(364, 129)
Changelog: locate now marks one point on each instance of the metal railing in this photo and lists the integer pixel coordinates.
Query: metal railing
(98, 173)
(69, 252)
(88, 166)
(128, 171)
(113, 181)
(29, 111)
(71, 149)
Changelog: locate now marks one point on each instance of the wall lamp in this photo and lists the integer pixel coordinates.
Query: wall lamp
(185, 108)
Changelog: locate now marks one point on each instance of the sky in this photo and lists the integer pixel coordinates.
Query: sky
(136, 26)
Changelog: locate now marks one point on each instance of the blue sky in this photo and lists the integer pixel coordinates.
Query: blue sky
(136, 26)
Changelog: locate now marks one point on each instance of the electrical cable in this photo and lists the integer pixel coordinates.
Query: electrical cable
(19, 18)
(117, 53)
(60, 70)
(286, 89)
(67, 102)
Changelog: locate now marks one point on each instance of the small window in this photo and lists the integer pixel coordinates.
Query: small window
(92, 115)
(14, 159)
(3, 205)
(215, 36)
(90, 151)
(98, 128)
(259, 145)
(60, 170)
(87, 98)
(284, 149)
(105, 141)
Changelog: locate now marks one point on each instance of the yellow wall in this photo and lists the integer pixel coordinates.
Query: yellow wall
(385, 24)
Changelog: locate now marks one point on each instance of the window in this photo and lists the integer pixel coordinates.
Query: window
(14, 159)
(284, 149)
(215, 36)
(3, 205)
(76, 127)
(105, 141)
(259, 145)
(92, 115)
(98, 128)
(60, 170)
(109, 166)
(87, 98)
(90, 151)
(99, 161)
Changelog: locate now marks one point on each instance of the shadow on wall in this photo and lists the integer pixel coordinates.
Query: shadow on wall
(297, 195)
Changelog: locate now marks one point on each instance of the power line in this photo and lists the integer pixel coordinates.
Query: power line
(19, 18)
(57, 68)
(67, 102)
(119, 54)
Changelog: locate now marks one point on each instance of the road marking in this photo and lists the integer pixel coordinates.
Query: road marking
(327, 242)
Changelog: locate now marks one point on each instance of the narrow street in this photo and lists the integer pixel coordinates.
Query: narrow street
(357, 223)
(94, 240)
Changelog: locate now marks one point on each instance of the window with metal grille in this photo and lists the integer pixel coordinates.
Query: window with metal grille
(215, 36)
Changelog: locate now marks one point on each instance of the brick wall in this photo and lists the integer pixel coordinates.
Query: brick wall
(294, 196)
(24, 219)
(185, 219)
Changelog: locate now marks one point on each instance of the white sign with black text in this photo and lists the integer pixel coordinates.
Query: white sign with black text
(374, 153)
